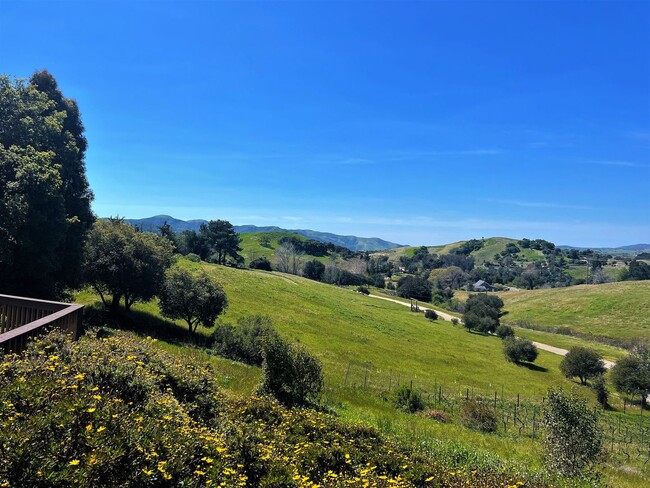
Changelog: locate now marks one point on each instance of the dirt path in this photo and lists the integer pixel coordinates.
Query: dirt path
(446, 316)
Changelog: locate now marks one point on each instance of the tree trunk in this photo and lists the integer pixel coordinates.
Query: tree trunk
(115, 304)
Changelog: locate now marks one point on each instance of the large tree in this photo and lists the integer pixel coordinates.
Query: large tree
(197, 299)
(631, 375)
(582, 362)
(221, 241)
(124, 263)
(41, 133)
(482, 312)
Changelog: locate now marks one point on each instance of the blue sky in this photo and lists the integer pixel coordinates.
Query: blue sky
(421, 123)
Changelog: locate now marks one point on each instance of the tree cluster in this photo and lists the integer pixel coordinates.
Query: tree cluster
(45, 198)
(482, 312)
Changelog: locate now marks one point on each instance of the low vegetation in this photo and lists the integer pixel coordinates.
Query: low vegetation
(118, 411)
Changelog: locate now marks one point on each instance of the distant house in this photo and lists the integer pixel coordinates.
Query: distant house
(481, 285)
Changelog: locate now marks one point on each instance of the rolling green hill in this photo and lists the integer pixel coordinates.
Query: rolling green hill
(612, 310)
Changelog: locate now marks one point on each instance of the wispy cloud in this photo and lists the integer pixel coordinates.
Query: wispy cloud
(472, 152)
(615, 162)
(355, 162)
(527, 204)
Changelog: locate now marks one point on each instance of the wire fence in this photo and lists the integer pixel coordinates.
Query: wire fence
(627, 434)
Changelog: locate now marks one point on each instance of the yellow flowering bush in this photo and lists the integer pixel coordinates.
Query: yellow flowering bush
(119, 411)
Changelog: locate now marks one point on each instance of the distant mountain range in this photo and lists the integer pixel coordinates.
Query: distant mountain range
(631, 249)
(151, 224)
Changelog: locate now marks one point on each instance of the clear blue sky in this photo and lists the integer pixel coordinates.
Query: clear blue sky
(421, 123)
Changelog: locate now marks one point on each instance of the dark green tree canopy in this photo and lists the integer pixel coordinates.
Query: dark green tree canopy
(39, 126)
(582, 362)
(414, 287)
(631, 375)
(221, 241)
(122, 262)
(196, 299)
(482, 312)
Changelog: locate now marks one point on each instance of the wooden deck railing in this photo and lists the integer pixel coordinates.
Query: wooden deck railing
(24, 318)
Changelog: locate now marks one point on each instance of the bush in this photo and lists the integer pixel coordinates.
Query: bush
(600, 388)
(573, 439)
(477, 415)
(364, 290)
(504, 331)
(195, 258)
(431, 315)
(390, 286)
(262, 263)
(518, 350)
(314, 270)
(408, 399)
(290, 373)
(454, 321)
(437, 415)
(244, 341)
(582, 362)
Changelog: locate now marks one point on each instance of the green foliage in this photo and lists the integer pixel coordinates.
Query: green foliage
(600, 388)
(291, 374)
(477, 415)
(221, 242)
(408, 399)
(582, 362)
(470, 246)
(573, 439)
(482, 312)
(431, 315)
(125, 263)
(631, 374)
(363, 289)
(637, 270)
(44, 195)
(262, 263)
(518, 350)
(504, 331)
(244, 341)
(414, 287)
(195, 258)
(314, 270)
(197, 299)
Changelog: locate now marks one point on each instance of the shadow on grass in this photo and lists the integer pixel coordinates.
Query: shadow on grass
(144, 324)
(534, 367)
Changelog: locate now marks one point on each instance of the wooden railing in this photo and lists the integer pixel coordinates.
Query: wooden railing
(24, 318)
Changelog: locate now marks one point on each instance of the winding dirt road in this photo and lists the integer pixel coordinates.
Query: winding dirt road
(446, 316)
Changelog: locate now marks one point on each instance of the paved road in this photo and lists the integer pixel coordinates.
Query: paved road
(446, 316)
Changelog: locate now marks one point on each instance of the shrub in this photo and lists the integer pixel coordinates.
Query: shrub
(290, 373)
(390, 286)
(431, 315)
(408, 399)
(437, 415)
(364, 290)
(573, 439)
(314, 270)
(582, 362)
(477, 415)
(454, 321)
(518, 350)
(600, 388)
(631, 374)
(504, 331)
(195, 258)
(262, 263)
(243, 342)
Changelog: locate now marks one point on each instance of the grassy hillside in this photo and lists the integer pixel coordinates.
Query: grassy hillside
(612, 310)
(252, 247)
(365, 342)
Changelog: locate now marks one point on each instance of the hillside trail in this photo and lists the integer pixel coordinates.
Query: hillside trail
(546, 347)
